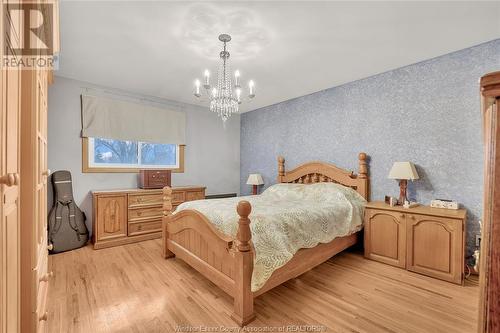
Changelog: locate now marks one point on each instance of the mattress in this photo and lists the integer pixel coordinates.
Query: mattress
(286, 218)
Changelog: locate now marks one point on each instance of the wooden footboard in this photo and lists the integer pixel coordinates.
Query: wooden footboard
(225, 261)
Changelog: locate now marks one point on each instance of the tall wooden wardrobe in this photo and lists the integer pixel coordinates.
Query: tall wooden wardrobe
(489, 300)
(23, 184)
(10, 114)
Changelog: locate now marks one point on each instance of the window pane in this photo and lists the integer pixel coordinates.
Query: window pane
(115, 151)
(158, 154)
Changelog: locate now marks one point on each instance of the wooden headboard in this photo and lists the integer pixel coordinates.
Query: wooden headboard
(320, 172)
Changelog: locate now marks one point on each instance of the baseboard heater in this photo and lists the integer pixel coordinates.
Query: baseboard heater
(220, 196)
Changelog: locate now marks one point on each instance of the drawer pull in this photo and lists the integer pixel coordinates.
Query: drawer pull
(401, 215)
(46, 277)
(139, 227)
(50, 247)
(412, 217)
(139, 213)
(44, 317)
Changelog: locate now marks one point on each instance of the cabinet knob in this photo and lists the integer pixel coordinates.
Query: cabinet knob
(412, 217)
(139, 227)
(139, 213)
(44, 317)
(46, 277)
(401, 215)
(50, 247)
(46, 173)
(10, 179)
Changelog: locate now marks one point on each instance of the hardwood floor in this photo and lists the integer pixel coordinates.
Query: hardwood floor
(131, 288)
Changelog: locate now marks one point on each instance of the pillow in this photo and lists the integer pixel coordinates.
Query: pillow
(328, 192)
(319, 192)
(285, 191)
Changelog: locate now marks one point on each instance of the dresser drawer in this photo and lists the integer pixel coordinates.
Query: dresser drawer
(178, 197)
(141, 213)
(139, 228)
(145, 199)
(195, 195)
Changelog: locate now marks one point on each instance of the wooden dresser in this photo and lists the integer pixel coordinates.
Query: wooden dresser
(128, 216)
(422, 239)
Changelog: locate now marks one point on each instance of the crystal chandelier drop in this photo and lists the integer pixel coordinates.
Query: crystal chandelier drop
(222, 99)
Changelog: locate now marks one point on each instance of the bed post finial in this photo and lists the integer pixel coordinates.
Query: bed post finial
(244, 235)
(363, 166)
(167, 212)
(281, 168)
(243, 268)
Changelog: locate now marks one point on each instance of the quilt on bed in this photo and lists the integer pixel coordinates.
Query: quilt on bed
(286, 218)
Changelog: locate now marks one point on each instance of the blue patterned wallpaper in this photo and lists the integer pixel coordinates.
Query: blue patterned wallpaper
(427, 113)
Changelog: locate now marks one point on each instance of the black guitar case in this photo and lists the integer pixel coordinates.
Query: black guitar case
(67, 229)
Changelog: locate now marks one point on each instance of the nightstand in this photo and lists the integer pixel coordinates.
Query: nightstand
(426, 240)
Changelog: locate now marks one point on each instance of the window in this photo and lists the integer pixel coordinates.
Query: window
(108, 155)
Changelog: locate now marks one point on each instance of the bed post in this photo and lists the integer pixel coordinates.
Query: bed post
(363, 174)
(243, 268)
(167, 212)
(281, 168)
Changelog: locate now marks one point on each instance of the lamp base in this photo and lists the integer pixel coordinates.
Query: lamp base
(403, 184)
(254, 189)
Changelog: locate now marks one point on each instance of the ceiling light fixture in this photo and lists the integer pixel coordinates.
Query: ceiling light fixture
(222, 100)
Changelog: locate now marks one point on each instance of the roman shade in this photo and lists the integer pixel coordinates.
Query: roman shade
(121, 120)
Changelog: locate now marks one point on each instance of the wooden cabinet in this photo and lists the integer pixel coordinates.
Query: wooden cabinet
(23, 177)
(127, 216)
(435, 246)
(34, 173)
(111, 217)
(385, 237)
(10, 113)
(425, 240)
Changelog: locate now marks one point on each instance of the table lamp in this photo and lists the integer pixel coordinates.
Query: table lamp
(255, 179)
(403, 171)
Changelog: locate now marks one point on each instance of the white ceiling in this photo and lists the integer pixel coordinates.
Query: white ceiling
(289, 49)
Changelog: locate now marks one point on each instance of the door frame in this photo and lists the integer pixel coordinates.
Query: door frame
(489, 283)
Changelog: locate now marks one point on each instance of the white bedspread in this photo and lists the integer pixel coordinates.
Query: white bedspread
(286, 218)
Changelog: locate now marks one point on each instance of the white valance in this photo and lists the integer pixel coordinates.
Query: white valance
(121, 120)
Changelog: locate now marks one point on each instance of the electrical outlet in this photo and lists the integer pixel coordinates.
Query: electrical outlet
(478, 240)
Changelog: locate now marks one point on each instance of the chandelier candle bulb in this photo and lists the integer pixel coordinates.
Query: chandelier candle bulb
(237, 79)
(207, 79)
(197, 88)
(251, 87)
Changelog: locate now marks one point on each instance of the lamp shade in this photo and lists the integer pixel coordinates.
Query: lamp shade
(403, 170)
(255, 179)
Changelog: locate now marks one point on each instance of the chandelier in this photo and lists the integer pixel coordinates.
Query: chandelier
(222, 99)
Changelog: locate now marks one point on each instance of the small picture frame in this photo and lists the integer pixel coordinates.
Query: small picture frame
(391, 201)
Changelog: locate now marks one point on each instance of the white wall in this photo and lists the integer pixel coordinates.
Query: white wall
(212, 150)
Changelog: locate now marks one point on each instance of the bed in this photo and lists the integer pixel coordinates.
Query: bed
(227, 258)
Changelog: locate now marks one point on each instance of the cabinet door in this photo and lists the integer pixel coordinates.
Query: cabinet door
(9, 185)
(385, 237)
(435, 247)
(111, 216)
